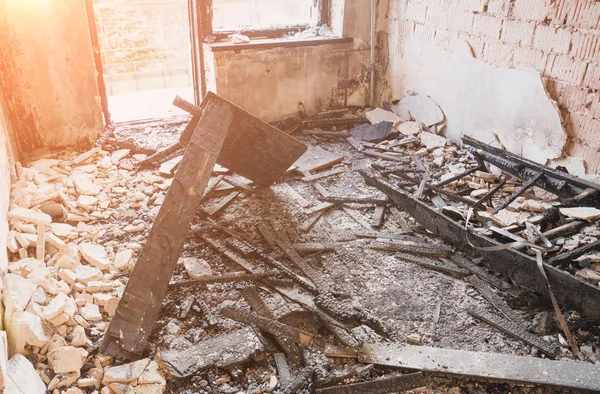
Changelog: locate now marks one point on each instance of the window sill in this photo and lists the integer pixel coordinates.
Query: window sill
(277, 43)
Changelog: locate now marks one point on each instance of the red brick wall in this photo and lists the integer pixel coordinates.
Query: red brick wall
(560, 39)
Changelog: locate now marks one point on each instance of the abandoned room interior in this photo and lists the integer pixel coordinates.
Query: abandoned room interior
(299, 196)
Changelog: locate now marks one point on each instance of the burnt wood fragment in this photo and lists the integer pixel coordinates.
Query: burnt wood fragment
(299, 381)
(571, 292)
(279, 330)
(390, 384)
(283, 369)
(494, 299)
(513, 329)
(432, 264)
(560, 183)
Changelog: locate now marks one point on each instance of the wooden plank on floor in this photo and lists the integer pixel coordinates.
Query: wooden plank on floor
(486, 366)
(127, 335)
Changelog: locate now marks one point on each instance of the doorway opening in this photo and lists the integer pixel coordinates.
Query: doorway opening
(145, 51)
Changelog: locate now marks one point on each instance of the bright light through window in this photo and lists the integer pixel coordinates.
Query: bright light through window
(261, 14)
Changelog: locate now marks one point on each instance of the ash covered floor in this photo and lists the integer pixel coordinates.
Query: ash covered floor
(415, 304)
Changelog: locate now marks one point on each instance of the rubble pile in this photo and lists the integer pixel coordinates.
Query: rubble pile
(286, 288)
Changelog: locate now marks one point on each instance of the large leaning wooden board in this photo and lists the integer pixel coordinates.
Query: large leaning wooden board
(581, 376)
(255, 149)
(128, 333)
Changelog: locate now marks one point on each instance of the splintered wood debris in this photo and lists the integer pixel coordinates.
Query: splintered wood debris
(291, 288)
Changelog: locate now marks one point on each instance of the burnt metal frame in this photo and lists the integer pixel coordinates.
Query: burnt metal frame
(570, 291)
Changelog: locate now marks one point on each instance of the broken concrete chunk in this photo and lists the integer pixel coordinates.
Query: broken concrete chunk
(432, 141)
(152, 375)
(421, 108)
(125, 373)
(90, 312)
(86, 273)
(27, 329)
(30, 216)
(197, 268)
(376, 132)
(55, 307)
(122, 259)
(379, 115)
(95, 255)
(118, 155)
(410, 128)
(23, 376)
(67, 359)
(583, 213)
(87, 202)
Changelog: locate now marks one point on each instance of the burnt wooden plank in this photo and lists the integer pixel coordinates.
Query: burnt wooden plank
(422, 249)
(378, 216)
(494, 299)
(494, 367)
(128, 332)
(253, 148)
(279, 330)
(322, 175)
(286, 246)
(388, 384)
(316, 158)
(570, 291)
(224, 351)
(253, 299)
(386, 156)
(513, 329)
(432, 264)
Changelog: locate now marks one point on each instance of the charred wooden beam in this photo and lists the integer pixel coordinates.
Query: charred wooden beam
(495, 367)
(283, 369)
(386, 156)
(354, 200)
(414, 248)
(279, 330)
(330, 134)
(560, 183)
(431, 264)
(322, 175)
(481, 273)
(526, 186)
(494, 299)
(390, 384)
(568, 257)
(128, 332)
(571, 292)
(514, 329)
(224, 278)
(299, 381)
(457, 177)
(252, 297)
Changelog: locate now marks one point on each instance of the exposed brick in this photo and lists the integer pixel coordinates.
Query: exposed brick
(424, 33)
(487, 26)
(588, 154)
(416, 12)
(584, 130)
(565, 69)
(517, 33)
(530, 58)
(592, 77)
(498, 55)
(551, 39)
(500, 8)
(437, 17)
(472, 5)
(532, 10)
(397, 9)
(586, 45)
(584, 14)
(446, 39)
(476, 43)
(460, 21)
(595, 106)
(572, 98)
